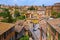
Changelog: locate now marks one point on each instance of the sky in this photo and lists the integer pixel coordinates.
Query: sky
(28, 2)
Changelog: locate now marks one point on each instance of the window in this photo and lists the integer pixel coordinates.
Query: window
(11, 30)
(5, 34)
(12, 38)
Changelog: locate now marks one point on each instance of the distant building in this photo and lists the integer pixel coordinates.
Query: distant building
(53, 29)
(56, 7)
(41, 11)
(50, 9)
(7, 31)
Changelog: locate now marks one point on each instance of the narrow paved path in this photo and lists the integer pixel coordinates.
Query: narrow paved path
(33, 34)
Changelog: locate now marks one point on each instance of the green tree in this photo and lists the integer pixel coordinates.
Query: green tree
(4, 13)
(22, 17)
(31, 8)
(7, 16)
(58, 15)
(17, 13)
(54, 14)
(24, 38)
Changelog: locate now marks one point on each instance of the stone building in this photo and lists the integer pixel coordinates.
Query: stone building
(50, 9)
(7, 31)
(53, 29)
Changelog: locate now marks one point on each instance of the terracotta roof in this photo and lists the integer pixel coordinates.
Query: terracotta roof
(43, 24)
(18, 28)
(19, 25)
(55, 23)
(41, 8)
(5, 27)
(57, 4)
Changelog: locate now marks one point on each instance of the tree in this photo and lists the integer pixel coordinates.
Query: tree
(7, 16)
(43, 5)
(21, 17)
(31, 8)
(4, 14)
(58, 15)
(24, 38)
(54, 14)
(17, 13)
